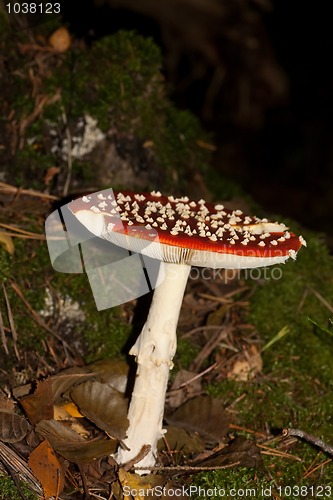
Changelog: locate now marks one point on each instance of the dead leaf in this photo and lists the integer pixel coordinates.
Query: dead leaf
(71, 445)
(65, 379)
(240, 451)
(113, 372)
(178, 439)
(69, 413)
(247, 366)
(66, 411)
(139, 487)
(50, 173)
(6, 404)
(46, 467)
(7, 242)
(13, 428)
(104, 406)
(204, 415)
(39, 405)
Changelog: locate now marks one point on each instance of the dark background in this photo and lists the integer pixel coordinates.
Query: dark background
(258, 74)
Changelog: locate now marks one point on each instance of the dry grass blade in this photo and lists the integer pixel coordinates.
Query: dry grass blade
(11, 323)
(309, 472)
(9, 189)
(245, 429)
(198, 375)
(321, 298)
(3, 335)
(226, 298)
(69, 154)
(22, 233)
(38, 319)
(266, 450)
(208, 348)
(13, 464)
(200, 329)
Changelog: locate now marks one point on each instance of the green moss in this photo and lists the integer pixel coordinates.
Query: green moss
(27, 274)
(117, 81)
(185, 354)
(278, 478)
(299, 292)
(104, 333)
(8, 490)
(296, 388)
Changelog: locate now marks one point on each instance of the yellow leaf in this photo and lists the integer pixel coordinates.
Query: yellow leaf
(65, 411)
(139, 487)
(7, 242)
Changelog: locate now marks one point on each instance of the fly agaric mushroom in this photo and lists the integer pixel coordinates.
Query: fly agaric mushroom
(189, 233)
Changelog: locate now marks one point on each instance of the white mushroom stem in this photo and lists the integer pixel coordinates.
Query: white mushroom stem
(154, 351)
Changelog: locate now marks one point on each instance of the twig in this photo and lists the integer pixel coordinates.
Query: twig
(208, 348)
(25, 236)
(200, 329)
(188, 468)
(8, 188)
(198, 375)
(310, 438)
(142, 453)
(21, 231)
(226, 297)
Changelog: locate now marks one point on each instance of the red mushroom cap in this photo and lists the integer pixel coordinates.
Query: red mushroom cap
(185, 231)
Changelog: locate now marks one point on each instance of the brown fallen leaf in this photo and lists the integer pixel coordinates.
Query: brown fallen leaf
(246, 366)
(240, 451)
(113, 372)
(39, 405)
(138, 487)
(13, 428)
(104, 406)
(68, 378)
(204, 415)
(66, 411)
(46, 467)
(178, 439)
(6, 404)
(50, 173)
(71, 445)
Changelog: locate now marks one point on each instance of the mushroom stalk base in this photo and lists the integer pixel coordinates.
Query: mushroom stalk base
(154, 351)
